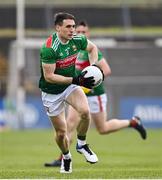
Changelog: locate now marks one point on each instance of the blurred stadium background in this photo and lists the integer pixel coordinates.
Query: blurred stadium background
(129, 33)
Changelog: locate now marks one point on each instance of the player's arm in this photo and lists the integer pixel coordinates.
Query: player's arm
(92, 52)
(50, 77)
(47, 56)
(104, 66)
(48, 71)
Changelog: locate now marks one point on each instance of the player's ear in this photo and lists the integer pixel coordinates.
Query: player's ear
(57, 27)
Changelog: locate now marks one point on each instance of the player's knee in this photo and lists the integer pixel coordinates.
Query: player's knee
(101, 131)
(61, 135)
(85, 114)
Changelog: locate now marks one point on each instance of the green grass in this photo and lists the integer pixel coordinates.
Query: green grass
(121, 155)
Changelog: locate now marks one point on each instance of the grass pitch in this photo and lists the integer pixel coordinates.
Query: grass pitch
(121, 155)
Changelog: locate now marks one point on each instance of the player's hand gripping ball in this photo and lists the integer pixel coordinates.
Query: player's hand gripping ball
(96, 73)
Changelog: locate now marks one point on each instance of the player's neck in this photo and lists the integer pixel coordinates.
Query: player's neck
(62, 40)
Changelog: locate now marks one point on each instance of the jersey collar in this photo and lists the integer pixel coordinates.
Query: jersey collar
(60, 40)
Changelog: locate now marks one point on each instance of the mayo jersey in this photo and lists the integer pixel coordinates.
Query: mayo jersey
(82, 62)
(64, 56)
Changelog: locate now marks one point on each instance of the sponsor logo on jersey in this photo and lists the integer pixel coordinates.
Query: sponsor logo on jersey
(69, 61)
(74, 48)
(80, 65)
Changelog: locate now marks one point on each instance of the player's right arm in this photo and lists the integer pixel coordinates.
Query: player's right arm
(51, 77)
(48, 60)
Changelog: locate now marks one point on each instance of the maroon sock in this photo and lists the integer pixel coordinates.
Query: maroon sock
(133, 123)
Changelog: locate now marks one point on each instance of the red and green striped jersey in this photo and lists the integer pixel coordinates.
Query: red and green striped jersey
(82, 62)
(64, 56)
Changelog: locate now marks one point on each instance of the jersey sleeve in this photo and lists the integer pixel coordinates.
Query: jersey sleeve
(81, 41)
(47, 55)
(100, 55)
(84, 43)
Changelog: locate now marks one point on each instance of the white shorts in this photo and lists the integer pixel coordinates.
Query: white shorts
(97, 103)
(55, 103)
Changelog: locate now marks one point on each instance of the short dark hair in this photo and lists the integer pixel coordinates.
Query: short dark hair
(82, 23)
(59, 17)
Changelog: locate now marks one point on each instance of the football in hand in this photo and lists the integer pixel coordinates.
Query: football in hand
(96, 73)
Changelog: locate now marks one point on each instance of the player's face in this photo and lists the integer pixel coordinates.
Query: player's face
(83, 30)
(66, 30)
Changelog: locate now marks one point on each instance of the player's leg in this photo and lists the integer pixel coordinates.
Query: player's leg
(113, 125)
(79, 102)
(59, 131)
(54, 105)
(60, 126)
(72, 122)
(98, 111)
(104, 126)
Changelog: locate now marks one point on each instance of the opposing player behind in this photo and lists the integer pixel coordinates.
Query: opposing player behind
(97, 100)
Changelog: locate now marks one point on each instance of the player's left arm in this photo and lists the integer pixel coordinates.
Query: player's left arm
(92, 52)
(103, 64)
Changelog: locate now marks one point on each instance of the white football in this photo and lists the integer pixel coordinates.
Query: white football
(96, 73)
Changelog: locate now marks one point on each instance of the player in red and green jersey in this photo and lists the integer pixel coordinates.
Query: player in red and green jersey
(60, 85)
(64, 56)
(97, 100)
(82, 62)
